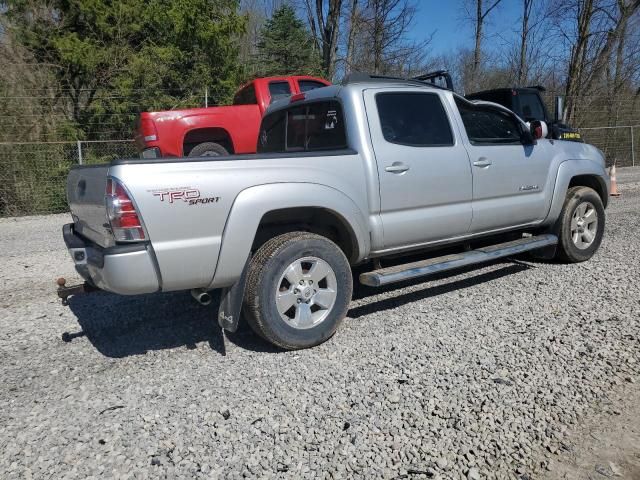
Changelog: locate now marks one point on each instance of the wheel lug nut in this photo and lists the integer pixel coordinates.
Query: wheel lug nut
(301, 282)
(299, 301)
(310, 282)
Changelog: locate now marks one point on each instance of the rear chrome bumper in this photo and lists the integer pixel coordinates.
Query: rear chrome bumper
(122, 269)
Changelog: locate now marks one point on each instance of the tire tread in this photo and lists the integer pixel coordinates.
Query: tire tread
(205, 146)
(563, 253)
(265, 253)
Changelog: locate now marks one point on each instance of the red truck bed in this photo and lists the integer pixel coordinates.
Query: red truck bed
(217, 130)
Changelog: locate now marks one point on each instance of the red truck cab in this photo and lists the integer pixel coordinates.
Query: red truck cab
(213, 131)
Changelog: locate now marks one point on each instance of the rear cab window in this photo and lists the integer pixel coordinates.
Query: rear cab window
(308, 127)
(279, 89)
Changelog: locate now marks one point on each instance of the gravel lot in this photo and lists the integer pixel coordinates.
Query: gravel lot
(480, 374)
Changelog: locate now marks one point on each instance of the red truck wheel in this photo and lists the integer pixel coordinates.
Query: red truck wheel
(208, 149)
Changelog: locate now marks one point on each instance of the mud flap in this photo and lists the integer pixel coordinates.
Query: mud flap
(231, 302)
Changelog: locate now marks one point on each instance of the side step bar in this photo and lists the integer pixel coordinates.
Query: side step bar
(423, 268)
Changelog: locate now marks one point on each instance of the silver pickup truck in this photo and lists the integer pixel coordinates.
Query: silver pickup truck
(344, 175)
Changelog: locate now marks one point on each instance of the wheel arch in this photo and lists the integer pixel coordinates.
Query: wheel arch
(319, 220)
(572, 173)
(592, 181)
(196, 136)
(289, 207)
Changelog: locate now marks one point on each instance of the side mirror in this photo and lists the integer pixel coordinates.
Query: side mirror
(539, 129)
(526, 137)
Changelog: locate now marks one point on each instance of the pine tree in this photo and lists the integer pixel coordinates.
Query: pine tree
(286, 46)
(115, 57)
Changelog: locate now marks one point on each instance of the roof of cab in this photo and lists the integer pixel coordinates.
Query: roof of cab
(509, 90)
(328, 92)
(366, 78)
(354, 81)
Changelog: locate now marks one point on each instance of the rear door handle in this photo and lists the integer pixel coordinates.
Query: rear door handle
(397, 167)
(482, 162)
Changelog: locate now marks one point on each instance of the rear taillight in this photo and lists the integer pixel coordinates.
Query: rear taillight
(148, 130)
(126, 224)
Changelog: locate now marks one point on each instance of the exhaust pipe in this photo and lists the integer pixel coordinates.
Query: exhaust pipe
(202, 296)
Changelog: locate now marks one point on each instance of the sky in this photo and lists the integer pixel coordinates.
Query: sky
(446, 19)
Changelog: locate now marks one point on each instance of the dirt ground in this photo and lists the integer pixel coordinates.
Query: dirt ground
(606, 445)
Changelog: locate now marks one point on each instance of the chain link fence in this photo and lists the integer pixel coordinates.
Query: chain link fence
(33, 175)
(620, 144)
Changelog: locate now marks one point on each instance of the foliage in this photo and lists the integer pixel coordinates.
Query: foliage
(324, 18)
(32, 179)
(286, 46)
(379, 30)
(112, 58)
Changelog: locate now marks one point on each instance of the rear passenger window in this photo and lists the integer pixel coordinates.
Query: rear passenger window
(279, 90)
(486, 125)
(304, 128)
(414, 119)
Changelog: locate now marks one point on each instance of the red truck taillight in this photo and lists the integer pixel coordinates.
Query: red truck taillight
(148, 130)
(126, 224)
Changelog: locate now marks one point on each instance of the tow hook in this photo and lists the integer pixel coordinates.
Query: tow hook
(65, 292)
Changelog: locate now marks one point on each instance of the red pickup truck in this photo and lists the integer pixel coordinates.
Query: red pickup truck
(213, 131)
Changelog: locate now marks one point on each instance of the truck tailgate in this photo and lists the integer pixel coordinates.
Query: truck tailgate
(86, 197)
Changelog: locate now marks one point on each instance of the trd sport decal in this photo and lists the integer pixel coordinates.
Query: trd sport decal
(189, 195)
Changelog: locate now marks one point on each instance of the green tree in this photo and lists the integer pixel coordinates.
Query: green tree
(113, 58)
(286, 47)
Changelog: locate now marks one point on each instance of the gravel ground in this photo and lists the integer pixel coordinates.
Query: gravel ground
(480, 374)
(607, 444)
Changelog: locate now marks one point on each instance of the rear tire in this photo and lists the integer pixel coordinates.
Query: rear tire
(208, 149)
(580, 226)
(299, 286)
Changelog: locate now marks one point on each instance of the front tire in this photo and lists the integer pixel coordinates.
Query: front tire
(299, 286)
(580, 226)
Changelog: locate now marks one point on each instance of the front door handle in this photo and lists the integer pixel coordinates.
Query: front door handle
(397, 167)
(482, 162)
